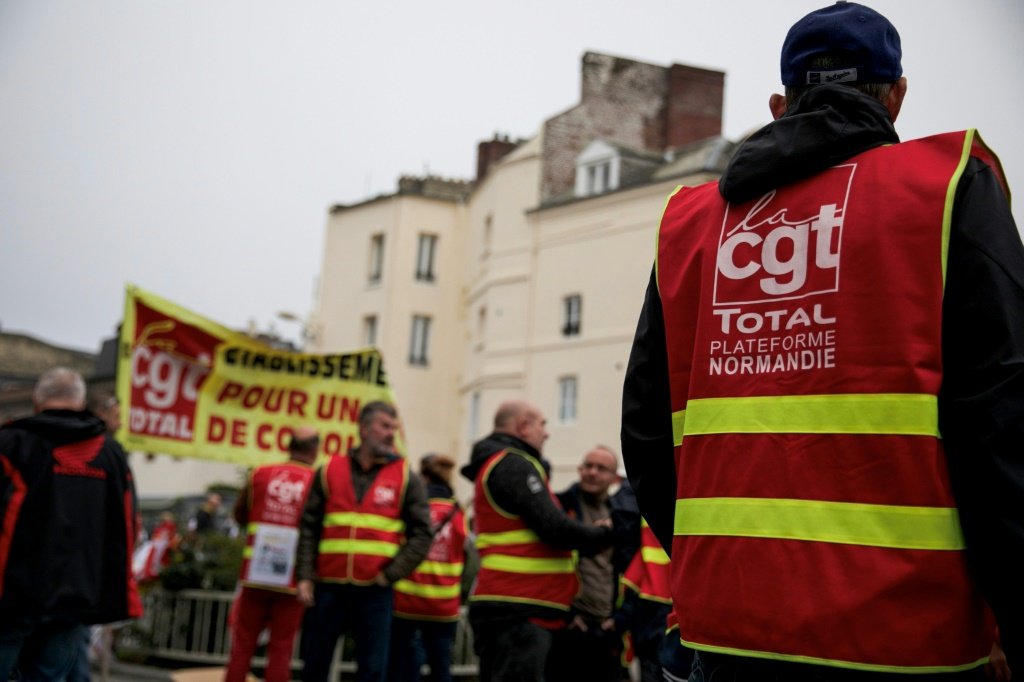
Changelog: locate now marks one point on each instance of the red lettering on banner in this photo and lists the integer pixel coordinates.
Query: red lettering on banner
(218, 427)
(297, 403)
(346, 408)
(230, 390)
(238, 428)
(267, 439)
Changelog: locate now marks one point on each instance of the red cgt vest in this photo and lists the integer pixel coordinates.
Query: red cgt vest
(815, 521)
(277, 496)
(648, 572)
(360, 538)
(515, 565)
(432, 591)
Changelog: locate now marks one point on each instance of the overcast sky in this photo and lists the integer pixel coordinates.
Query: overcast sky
(193, 148)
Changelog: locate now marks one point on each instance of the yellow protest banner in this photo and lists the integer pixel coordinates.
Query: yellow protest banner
(192, 388)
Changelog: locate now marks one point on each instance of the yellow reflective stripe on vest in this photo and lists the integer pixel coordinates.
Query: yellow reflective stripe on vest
(947, 209)
(678, 422)
(361, 520)
(440, 568)
(516, 564)
(850, 665)
(908, 414)
(365, 547)
(654, 555)
(429, 591)
(509, 537)
(876, 525)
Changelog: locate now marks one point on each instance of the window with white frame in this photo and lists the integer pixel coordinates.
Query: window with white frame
(370, 330)
(567, 392)
(425, 255)
(376, 266)
(597, 169)
(572, 311)
(419, 343)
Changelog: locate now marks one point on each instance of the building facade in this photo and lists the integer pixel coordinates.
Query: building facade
(537, 269)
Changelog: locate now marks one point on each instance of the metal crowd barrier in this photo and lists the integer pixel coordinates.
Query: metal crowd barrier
(191, 626)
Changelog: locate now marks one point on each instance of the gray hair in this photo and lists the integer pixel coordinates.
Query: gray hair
(60, 384)
(371, 409)
(836, 60)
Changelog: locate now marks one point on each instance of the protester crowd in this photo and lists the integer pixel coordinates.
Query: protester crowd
(796, 525)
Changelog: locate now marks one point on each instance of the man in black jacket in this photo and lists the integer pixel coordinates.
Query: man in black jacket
(981, 400)
(590, 646)
(67, 526)
(512, 638)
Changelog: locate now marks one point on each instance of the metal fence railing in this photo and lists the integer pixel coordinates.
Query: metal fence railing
(192, 626)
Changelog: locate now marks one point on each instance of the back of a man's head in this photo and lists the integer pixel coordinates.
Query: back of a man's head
(59, 389)
(507, 415)
(304, 444)
(845, 43)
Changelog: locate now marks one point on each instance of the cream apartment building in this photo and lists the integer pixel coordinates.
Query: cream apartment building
(537, 269)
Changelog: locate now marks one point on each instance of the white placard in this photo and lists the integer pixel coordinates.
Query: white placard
(273, 555)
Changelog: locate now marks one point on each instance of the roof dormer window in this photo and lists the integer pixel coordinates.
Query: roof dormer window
(597, 169)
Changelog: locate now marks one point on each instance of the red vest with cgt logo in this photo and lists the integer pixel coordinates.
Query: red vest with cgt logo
(432, 591)
(814, 507)
(277, 496)
(360, 538)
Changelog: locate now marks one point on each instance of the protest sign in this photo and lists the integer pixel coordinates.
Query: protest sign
(192, 388)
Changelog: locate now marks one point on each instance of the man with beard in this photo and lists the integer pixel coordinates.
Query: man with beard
(366, 525)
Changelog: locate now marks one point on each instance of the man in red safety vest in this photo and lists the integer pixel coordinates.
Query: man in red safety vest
(824, 405)
(269, 508)
(365, 527)
(527, 578)
(427, 603)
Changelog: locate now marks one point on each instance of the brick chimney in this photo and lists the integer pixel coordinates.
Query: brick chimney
(694, 108)
(490, 152)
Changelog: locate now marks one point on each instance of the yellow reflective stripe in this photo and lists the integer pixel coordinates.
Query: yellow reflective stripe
(845, 523)
(361, 520)
(350, 546)
(851, 665)
(440, 568)
(250, 529)
(912, 414)
(247, 552)
(678, 421)
(654, 555)
(429, 591)
(509, 537)
(517, 564)
(657, 236)
(947, 210)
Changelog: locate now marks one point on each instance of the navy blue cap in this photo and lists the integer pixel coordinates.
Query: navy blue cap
(859, 33)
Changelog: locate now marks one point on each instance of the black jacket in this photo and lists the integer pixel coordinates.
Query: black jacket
(516, 486)
(67, 521)
(981, 402)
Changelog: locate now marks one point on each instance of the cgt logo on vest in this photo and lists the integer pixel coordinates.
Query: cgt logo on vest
(784, 246)
(772, 253)
(284, 490)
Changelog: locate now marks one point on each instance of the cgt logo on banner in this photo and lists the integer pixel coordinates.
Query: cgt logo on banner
(193, 388)
(777, 264)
